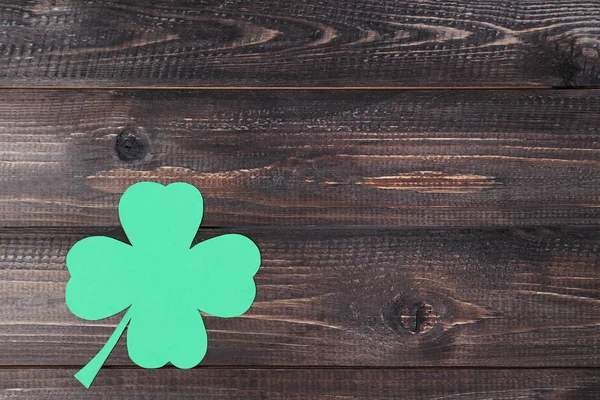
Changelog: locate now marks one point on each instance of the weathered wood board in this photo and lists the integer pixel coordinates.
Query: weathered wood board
(347, 297)
(297, 158)
(411, 384)
(364, 43)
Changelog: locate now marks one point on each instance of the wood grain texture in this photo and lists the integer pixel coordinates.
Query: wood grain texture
(133, 384)
(282, 158)
(267, 43)
(334, 297)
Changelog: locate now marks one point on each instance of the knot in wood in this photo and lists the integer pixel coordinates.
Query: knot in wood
(406, 316)
(418, 318)
(131, 146)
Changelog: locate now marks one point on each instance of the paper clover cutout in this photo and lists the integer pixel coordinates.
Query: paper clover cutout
(159, 278)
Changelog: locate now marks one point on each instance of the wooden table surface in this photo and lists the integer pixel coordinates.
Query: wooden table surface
(422, 177)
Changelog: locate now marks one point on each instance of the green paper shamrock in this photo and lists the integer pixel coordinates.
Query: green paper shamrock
(160, 279)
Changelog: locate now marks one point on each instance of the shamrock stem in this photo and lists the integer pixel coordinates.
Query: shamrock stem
(87, 374)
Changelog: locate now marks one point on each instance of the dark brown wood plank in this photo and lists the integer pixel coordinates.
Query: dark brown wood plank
(132, 384)
(347, 298)
(366, 43)
(334, 158)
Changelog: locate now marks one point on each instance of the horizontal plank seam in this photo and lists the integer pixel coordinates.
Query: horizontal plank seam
(46, 230)
(87, 228)
(317, 367)
(301, 88)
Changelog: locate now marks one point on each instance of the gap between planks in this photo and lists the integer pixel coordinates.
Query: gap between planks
(318, 367)
(363, 228)
(300, 88)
